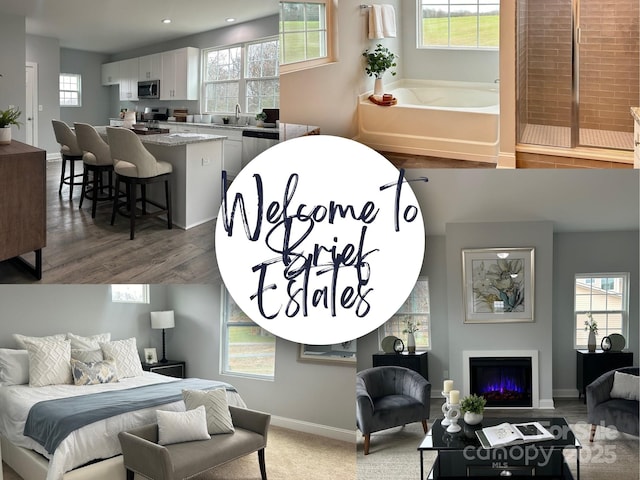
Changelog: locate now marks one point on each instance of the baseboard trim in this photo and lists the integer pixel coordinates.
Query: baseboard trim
(565, 393)
(546, 403)
(314, 428)
(54, 157)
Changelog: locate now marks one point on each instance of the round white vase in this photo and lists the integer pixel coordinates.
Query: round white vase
(5, 135)
(378, 87)
(472, 418)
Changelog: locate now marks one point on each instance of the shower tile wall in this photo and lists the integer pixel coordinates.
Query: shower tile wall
(521, 66)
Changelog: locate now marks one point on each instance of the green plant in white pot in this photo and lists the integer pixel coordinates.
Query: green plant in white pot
(7, 118)
(379, 61)
(473, 408)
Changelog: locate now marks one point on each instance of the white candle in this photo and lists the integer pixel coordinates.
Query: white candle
(454, 397)
(448, 385)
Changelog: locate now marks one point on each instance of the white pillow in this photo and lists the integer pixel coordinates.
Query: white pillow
(49, 362)
(87, 356)
(88, 343)
(125, 354)
(216, 407)
(14, 367)
(20, 339)
(176, 427)
(625, 386)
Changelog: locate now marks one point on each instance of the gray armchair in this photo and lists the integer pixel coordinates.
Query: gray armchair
(617, 412)
(388, 397)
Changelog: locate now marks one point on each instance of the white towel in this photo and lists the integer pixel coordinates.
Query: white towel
(382, 21)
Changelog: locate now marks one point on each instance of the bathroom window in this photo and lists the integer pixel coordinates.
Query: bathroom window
(70, 92)
(305, 34)
(465, 24)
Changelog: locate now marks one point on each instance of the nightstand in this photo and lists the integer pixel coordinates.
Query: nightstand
(414, 361)
(171, 368)
(590, 365)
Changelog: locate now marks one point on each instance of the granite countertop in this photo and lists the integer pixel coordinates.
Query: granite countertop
(171, 139)
(635, 112)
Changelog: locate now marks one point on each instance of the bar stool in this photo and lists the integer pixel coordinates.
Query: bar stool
(134, 166)
(70, 152)
(97, 161)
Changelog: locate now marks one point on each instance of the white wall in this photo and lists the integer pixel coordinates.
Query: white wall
(12, 67)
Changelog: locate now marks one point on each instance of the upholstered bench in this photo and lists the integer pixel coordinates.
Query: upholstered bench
(143, 455)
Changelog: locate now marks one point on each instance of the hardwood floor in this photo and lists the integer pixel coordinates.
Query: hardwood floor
(405, 160)
(85, 250)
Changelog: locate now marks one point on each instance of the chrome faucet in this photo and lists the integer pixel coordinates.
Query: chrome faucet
(238, 112)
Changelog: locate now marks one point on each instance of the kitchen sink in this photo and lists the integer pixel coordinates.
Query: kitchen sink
(229, 125)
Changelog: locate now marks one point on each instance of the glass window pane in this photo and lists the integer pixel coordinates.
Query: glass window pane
(130, 293)
(251, 351)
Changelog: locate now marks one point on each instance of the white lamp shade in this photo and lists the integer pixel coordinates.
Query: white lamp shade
(162, 319)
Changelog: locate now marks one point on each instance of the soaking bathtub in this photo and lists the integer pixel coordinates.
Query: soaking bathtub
(457, 120)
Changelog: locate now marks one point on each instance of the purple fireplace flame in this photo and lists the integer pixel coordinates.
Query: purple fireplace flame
(503, 386)
(503, 381)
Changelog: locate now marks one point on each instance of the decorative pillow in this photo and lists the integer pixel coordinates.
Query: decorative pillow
(20, 339)
(216, 408)
(93, 373)
(14, 367)
(125, 354)
(87, 356)
(176, 427)
(49, 362)
(88, 343)
(625, 386)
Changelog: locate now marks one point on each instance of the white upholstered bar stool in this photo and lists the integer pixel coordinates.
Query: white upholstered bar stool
(96, 160)
(135, 165)
(71, 153)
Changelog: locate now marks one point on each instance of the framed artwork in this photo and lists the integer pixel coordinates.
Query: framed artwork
(150, 355)
(498, 285)
(341, 353)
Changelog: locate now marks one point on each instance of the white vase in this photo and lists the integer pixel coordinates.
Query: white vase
(5, 135)
(411, 343)
(378, 87)
(471, 418)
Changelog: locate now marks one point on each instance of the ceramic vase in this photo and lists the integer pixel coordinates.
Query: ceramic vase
(5, 135)
(591, 342)
(471, 418)
(411, 343)
(378, 87)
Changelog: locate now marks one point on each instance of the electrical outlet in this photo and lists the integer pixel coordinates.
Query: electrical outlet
(40, 108)
(206, 161)
(445, 373)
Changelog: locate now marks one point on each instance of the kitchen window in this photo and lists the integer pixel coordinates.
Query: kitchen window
(306, 34)
(465, 24)
(247, 349)
(70, 90)
(245, 74)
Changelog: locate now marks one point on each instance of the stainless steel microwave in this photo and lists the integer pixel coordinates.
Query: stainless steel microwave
(149, 89)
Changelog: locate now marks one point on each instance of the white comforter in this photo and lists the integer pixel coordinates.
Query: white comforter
(98, 440)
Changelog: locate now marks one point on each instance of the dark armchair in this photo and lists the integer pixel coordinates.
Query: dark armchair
(617, 412)
(388, 397)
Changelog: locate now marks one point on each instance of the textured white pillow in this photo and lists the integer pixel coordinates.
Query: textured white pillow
(87, 356)
(625, 386)
(125, 354)
(20, 339)
(176, 427)
(49, 362)
(88, 343)
(14, 367)
(216, 407)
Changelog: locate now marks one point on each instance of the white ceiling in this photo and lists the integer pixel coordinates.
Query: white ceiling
(112, 26)
(574, 200)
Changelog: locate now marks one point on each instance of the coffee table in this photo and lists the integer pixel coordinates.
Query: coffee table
(461, 456)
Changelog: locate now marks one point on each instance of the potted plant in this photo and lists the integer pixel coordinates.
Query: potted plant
(378, 62)
(410, 329)
(473, 408)
(592, 326)
(225, 120)
(260, 118)
(7, 118)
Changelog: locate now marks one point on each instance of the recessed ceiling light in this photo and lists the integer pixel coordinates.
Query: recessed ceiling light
(230, 19)
(166, 20)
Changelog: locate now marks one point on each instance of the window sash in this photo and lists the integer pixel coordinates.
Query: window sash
(130, 293)
(304, 41)
(70, 90)
(417, 309)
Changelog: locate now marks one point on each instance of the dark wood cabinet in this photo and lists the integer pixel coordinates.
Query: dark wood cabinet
(23, 223)
(172, 368)
(590, 365)
(415, 361)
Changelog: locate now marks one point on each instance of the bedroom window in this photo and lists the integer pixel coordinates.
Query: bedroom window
(130, 293)
(70, 91)
(415, 309)
(606, 297)
(464, 24)
(247, 349)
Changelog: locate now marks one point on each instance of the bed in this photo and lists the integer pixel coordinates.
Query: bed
(96, 441)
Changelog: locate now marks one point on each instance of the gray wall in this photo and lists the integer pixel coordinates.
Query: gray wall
(12, 67)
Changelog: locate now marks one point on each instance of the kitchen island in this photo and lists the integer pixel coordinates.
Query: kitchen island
(197, 171)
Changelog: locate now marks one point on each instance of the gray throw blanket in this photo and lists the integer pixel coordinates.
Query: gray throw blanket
(51, 421)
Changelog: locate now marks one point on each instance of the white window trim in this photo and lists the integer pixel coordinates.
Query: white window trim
(145, 294)
(79, 91)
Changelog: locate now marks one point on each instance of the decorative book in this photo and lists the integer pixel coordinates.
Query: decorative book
(512, 434)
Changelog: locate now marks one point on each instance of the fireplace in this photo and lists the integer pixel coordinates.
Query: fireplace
(502, 381)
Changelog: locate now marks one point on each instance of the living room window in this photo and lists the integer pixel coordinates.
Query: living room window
(467, 24)
(247, 349)
(245, 74)
(130, 293)
(70, 90)
(606, 297)
(415, 310)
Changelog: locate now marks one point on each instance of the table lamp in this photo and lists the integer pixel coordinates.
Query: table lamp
(162, 320)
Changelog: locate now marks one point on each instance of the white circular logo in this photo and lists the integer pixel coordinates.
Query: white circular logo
(320, 239)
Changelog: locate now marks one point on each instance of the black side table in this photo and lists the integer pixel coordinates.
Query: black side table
(171, 368)
(414, 361)
(590, 365)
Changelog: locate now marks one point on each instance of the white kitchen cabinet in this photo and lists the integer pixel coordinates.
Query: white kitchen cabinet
(129, 79)
(111, 73)
(150, 67)
(232, 156)
(179, 79)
